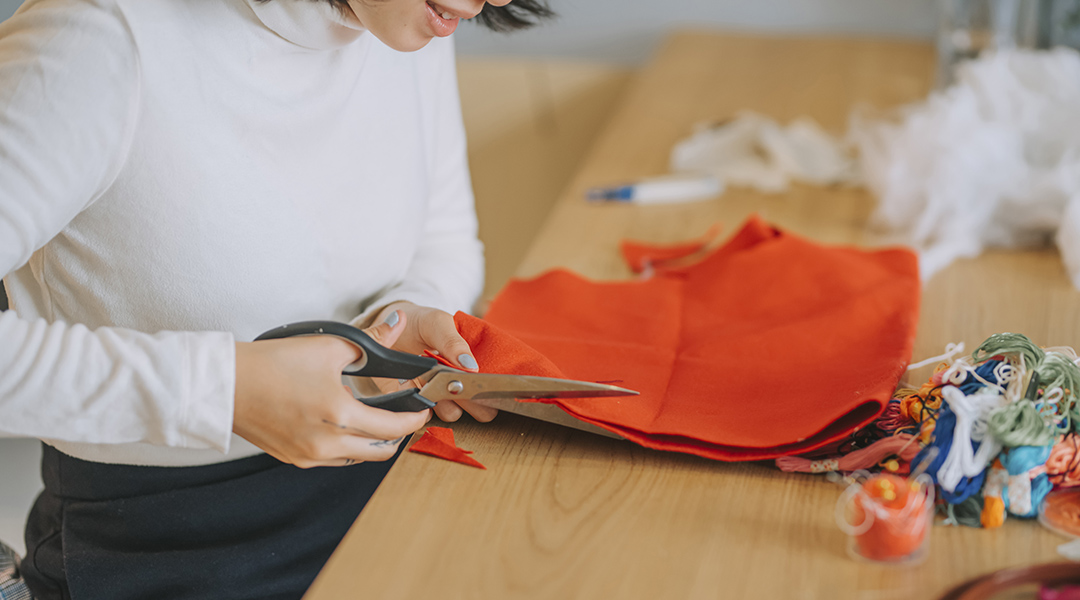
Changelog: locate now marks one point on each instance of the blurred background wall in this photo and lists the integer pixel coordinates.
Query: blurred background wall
(625, 31)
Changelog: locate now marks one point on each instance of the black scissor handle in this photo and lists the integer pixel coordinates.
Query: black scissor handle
(401, 401)
(376, 361)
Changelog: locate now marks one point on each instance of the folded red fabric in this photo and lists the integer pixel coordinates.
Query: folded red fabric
(640, 256)
(772, 345)
(439, 441)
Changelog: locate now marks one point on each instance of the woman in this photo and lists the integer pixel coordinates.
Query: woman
(176, 177)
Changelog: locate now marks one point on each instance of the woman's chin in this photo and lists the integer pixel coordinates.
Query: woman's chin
(404, 41)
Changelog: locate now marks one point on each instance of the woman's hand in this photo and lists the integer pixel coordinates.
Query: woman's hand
(432, 329)
(290, 402)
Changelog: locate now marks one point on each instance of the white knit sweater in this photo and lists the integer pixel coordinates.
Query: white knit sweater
(179, 174)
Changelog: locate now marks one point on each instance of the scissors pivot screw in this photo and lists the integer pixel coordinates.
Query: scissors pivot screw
(455, 387)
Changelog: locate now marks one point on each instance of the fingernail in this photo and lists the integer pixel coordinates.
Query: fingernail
(392, 319)
(467, 361)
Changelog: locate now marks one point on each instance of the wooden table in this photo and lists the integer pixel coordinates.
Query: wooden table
(565, 514)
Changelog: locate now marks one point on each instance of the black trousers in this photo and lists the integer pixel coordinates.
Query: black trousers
(251, 528)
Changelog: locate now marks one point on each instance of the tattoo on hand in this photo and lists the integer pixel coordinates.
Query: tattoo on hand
(376, 443)
(347, 428)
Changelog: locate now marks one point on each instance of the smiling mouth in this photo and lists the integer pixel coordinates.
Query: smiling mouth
(442, 12)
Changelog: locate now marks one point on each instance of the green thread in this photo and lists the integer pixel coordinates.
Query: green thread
(1059, 371)
(1020, 424)
(968, 513)
(1010, 343)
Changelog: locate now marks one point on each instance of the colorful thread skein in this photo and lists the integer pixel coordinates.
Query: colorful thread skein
(998, 429)
(1010, 396)
(1028, 484)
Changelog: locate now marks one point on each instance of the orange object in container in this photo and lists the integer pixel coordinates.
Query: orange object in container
(887, 517)
(1060, 512)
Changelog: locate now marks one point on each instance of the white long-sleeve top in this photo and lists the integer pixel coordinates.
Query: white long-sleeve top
(176, 175)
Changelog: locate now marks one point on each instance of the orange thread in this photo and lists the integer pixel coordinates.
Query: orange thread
(901, 519)
(993, 512)
(1063, 466)
(1061, 512)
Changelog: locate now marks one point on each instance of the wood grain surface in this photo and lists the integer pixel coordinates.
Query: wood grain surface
(529, 125)
(566, 514)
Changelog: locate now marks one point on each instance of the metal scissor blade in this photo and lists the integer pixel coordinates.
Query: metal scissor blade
(451, 384)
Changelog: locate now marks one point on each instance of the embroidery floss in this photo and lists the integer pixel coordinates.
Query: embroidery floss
(1060, 373)
(1010, 343)
(971, 450)
(1020, 424)
(1063, 466)
(893, 420)
(993, 513)
(967, 513)
(1028, 484)
(939, 447)
(902, 445)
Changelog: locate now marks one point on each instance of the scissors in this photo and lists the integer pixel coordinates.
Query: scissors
(438, 382)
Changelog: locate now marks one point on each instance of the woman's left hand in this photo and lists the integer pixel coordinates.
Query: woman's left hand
(432, 329)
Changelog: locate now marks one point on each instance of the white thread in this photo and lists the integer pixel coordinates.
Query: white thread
(1054, 396)
(1016, 387)
(962, 460)
(1066, 350)
(824, 466)
(997, 478)
(1019, 493)
(958, 372)
(951, 350)
(1004, 372)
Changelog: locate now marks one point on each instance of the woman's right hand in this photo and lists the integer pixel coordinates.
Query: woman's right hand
(291, 403)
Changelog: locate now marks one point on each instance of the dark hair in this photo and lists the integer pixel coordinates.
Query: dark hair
(519, 14)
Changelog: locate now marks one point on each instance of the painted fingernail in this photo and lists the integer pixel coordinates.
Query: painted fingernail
(467, 361)
(392, 319)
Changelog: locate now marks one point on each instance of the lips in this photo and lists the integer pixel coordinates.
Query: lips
(442, 12)
(441, 21)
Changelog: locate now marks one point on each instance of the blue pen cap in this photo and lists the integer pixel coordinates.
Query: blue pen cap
(623, 193)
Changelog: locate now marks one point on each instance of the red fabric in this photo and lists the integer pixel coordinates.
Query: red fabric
(772, 345)
(439, 441)
(640, 256)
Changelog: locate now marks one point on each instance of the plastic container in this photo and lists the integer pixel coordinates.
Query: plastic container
(1060, 512)
(887, 517)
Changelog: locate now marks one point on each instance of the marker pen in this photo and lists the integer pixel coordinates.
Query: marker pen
(667, 189)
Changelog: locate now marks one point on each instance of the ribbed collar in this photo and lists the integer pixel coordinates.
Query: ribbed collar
(314, 24)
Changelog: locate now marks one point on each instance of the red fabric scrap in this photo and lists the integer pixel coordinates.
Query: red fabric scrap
(640, 256)
(439, 442)
(772, 345)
